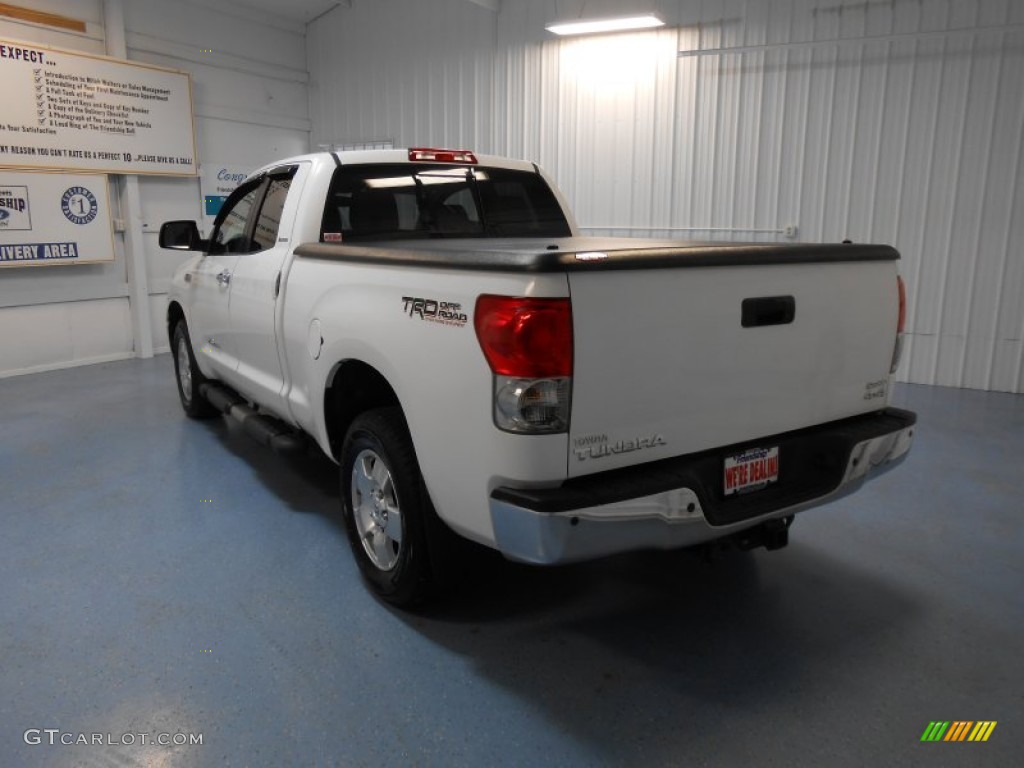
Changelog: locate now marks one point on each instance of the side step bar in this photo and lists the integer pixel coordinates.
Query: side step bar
(264, 429)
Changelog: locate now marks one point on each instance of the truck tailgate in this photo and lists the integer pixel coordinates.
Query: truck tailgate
(702, 348)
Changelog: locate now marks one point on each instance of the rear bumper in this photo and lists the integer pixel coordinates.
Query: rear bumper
(679, 502)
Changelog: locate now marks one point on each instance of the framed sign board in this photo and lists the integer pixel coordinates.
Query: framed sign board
(80, 112)
(54, 218)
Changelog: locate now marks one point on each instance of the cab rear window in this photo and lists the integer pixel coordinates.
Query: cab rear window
(405, 201)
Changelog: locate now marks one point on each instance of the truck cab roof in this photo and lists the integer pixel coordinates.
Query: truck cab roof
(404, 156)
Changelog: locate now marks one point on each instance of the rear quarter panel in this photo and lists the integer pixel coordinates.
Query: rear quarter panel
(437, 370)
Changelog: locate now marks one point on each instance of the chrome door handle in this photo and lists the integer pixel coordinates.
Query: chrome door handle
(224, 278)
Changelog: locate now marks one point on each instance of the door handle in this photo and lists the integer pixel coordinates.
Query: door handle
(767, 310)
(224, 278)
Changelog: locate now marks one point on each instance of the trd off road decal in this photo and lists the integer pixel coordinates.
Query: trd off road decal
(434, 311)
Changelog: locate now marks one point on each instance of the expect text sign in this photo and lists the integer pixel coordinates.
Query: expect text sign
(75, 111)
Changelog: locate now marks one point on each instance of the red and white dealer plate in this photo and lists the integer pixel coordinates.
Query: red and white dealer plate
(751, 470)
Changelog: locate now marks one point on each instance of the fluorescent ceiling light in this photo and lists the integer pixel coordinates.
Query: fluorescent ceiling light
(647, 21)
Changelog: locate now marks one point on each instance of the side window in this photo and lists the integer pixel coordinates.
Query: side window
(269, 221)
(251, 217)
(229, 233)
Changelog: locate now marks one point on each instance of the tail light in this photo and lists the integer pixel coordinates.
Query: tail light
(897, 351)
(528, 346)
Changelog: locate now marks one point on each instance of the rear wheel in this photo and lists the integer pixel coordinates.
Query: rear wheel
(188, 376)
(386, 506)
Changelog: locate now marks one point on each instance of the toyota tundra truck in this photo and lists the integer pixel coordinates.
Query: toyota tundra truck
(434, 321)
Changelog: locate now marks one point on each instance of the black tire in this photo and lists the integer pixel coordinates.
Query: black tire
(381, 481)
(188, 376)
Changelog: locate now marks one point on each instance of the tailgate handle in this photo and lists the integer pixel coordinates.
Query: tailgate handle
(768, 310)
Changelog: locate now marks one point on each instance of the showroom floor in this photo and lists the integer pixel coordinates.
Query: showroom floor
(163, 576)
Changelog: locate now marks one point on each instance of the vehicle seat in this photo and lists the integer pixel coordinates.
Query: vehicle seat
(509, 209)
(454, 219)
(373, 211)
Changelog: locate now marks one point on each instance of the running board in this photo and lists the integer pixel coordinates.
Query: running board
(267, 430)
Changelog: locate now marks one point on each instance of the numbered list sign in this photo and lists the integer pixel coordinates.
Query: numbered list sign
(79, 112)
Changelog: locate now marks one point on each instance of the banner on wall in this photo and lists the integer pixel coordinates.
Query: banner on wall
(54, 218)
(75, 111)
(216, 182)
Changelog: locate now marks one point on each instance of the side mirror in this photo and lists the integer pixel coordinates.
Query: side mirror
(181, 236)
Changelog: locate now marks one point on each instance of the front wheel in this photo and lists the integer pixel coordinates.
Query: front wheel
(188, 376)
(385, 506)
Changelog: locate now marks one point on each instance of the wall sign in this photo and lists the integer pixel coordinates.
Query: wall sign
(54, 218)
(76, 111)
(216, 182)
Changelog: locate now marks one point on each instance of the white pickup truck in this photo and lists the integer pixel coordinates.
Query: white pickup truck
(433, 320)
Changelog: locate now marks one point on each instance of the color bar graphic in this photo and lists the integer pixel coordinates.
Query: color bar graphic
(982, 730)
(958, 730)
(935, 730)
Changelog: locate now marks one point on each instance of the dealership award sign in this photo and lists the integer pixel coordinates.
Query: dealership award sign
(54, 218)
(75, 111)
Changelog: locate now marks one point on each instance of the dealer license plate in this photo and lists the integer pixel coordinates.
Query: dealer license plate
(751, 470)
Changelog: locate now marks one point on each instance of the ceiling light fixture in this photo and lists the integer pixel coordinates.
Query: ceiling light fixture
(646, 21)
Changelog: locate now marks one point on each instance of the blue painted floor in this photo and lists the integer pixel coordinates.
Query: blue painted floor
(162, 576)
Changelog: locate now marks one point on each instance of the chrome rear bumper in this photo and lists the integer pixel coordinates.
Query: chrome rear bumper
(548, 527)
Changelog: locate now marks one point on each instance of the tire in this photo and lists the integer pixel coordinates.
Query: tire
(386, 507)
(188, 376)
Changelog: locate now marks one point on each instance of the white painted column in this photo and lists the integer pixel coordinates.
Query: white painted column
(131, 205)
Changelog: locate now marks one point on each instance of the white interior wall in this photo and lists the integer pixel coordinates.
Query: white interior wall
(58, 315)
(249, 96)
(897, 121)
(250, 100)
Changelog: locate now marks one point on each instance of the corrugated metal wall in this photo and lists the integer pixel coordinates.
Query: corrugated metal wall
(897, 121)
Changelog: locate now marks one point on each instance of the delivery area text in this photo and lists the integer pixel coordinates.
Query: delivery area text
(38, 251)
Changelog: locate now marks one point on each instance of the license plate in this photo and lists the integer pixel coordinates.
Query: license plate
(751, 470)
